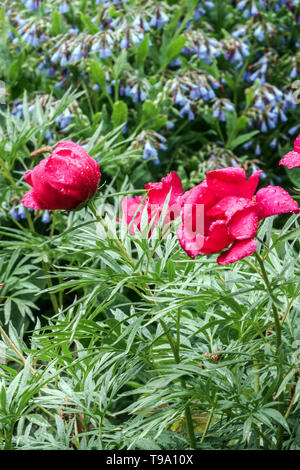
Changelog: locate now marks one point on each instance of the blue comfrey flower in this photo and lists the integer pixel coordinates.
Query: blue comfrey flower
(149, 151)
(76, 55)
(239, 32)
(259, 33)
(241, 5)
(263, 176)
(31, 5)
(159, 19)
(48, 136)
(64, 61)
(56, 57)
(14, 213)
(125, 42)
(273, 143)
(96, 46)
(170, 124)
(263, 126)
(46, 219)
(105, 52)
(219, 108)
(257, 150)
(50, 72)
(176, 63)
(64, 8)
(64, 119)
(179, 98)
(22, 213)
(293, 130)
(187, 110)
(247, 145)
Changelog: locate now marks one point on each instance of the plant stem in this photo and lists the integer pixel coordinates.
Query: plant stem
(188, 414)
(49, 282)
(29, 219)
(278, 338)
(275, 311)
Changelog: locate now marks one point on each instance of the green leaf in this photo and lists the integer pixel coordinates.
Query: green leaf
(294, 176)
(242, 138)
(98, 76)
(90, 26)
(149, 111)
(38, 419)
(175, 48)
(58, 25)
(142, 50)
(119, 114)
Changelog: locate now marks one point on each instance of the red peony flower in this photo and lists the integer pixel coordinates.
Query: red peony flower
(64, 180)
(157, 193)
(230, 214)
(292, 159)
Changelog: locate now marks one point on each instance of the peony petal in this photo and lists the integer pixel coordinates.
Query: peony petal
(157, 192)
(297, 144)
(232, 181)
(237, 251)
(130, 207)
(28, 177)
(218, 238)
(29, 200)
(251, 185)
(243, 223)
(227, 206)
(192, 246)
(227, 181)
(291, 160)
(199, 194)
(274, 200)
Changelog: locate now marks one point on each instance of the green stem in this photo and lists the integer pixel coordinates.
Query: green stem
(30, 221)
(275, 311)
(50, 285)
(188, 414)
(53, 224)
(278, 339)
(208, 422)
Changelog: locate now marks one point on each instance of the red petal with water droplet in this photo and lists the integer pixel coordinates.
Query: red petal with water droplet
(243, 223)
(237, 251)
(130, 206)
(226, 182)
(291, 160)
(30, 200)
(297, 144)
(157, 192)
(65, 179)
(198, 244)
(274, 200)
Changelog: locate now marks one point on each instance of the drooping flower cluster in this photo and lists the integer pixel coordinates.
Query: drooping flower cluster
(192, 87)
(270, 107)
